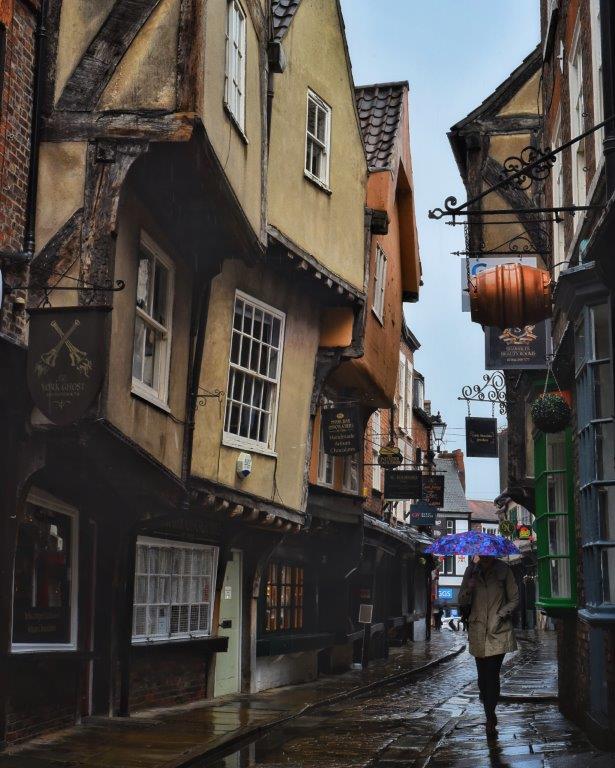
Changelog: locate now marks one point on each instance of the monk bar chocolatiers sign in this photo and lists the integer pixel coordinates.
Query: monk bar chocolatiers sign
(433, 490)
(481, 437)
(66, 360)
(390, 456)
(403, 484)
(342, 433)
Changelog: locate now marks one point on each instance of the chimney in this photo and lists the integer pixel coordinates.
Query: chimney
(461, 468)
(427, 406)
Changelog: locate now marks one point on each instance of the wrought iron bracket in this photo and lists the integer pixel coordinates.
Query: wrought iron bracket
(203, 395)
(519, 245)
(118, 286)
(521, 171)
(493, 392)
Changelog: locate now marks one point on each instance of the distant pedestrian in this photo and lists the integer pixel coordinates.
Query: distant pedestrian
(437, 617)
(489, 588)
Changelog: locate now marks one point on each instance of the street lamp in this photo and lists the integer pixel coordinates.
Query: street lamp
(438, 428)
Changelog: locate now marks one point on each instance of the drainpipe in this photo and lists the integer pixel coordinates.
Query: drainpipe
(607, 24)
(25, 256)
(276, 61)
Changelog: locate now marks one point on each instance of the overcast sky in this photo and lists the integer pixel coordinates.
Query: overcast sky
(453, 54)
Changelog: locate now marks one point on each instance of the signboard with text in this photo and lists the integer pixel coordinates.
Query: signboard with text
(517, 348)
(341, 430)
(403, 484)
(481, 437)
(433, 490)
(423, 513)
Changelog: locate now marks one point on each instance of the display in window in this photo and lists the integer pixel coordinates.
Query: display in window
(284, 598)
(43, 577)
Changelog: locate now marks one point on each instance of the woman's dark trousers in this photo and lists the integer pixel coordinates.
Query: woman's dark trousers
(488, 669)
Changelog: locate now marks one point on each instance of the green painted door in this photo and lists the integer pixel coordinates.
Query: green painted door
(228, 665)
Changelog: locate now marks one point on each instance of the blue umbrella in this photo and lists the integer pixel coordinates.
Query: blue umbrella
(473, 543)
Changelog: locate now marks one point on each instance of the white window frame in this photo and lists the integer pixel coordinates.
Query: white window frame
(351, 475)
(322, 181)
(326, 462)
(577, 121)
(169, 544)
(380, 280)
(401, 393)
(230, 439)
(597, 76)
(46, 500)
(235, 69)
(557, 193)
(376, 422)
(158, 397)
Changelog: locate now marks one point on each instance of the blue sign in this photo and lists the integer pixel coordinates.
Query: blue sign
(445, 593)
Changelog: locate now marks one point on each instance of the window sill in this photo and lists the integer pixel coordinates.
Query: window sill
(236, 124)
(598, 615)
(211, 642)
(317, 183)
(152, 399)
(378, 317)
(280, 644)
(243, 444)
(18, 648)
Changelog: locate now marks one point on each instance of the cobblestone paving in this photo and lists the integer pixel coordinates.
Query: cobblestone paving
(434, 721)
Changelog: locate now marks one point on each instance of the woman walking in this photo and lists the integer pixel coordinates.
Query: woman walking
(489, 588)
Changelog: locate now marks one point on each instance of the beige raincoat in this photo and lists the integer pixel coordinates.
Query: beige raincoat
(493, 599)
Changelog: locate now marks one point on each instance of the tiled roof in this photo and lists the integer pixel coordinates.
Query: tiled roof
(483, 510)
(282, 12)
(380, 112)
(454, 495)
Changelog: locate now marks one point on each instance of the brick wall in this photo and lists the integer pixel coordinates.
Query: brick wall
(15, 129)
(42, 696)
(164, 676)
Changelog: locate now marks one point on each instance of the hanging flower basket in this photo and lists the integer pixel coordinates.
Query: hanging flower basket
(551, 413)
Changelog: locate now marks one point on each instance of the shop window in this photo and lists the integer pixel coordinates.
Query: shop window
(235, 76)
(254, 375)
(284, 598)
(380, 276)
(447, 566)
(45, 577)
(317, 140)
(174, 589)
(594, 387)
(152, 341)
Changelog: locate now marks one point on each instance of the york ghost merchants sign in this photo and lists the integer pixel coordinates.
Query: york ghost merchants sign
(481, 437)
(341, 429)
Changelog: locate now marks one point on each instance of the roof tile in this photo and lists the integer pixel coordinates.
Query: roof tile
(380, 111)
(454, 495)
(282, 13)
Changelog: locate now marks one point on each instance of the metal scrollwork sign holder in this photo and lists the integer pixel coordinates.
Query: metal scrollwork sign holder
(493, 391)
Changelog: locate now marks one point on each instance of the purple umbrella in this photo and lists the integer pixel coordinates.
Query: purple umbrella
(473, 543)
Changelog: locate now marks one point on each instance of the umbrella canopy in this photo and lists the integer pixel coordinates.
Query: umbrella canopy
(473, 543)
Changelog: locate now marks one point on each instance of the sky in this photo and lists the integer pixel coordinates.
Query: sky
(453, 54)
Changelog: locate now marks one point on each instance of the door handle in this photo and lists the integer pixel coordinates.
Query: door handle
(226, 624)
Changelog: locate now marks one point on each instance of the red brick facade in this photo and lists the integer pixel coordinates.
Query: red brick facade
(15, 132)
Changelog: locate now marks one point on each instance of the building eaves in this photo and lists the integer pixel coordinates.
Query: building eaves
(380, 109)
(409, 337)
(282, 14)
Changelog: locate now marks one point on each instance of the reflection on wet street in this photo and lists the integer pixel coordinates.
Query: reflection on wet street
(434, 721)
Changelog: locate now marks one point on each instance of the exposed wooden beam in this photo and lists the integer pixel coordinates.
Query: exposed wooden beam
(144, 125)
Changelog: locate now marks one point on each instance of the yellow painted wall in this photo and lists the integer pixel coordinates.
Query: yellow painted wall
(328, 226)
(241, 157)
(525, 101)
(150, 427)
(80, 20)
(146, 76)
(275, 479)
(61, 179)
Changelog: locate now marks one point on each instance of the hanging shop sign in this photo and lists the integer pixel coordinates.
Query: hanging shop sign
(403, 484)
(433, 490)
(66, 360)
(481, 437)
(423, 513)
(523, 532)
(517, 348)
(342, 433)
(506, 528)
(390, 456)
(475, 265)
(366, 612)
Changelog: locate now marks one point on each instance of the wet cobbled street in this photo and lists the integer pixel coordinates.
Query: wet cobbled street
(433, 721)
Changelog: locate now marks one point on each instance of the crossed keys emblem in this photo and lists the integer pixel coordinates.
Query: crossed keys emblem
(78, 358)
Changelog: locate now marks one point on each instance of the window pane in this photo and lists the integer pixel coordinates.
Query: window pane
(601, 331)
(322, 125)
(556, 452)
(579, 344)
(311, 120)
(557, 498)
(42, 577)
(605, 468)
(603, 391)
(159, 308)
(137, 356)
(144, 281)
(606, 506)
(558, 535)
(608, 574)
(560, 577)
